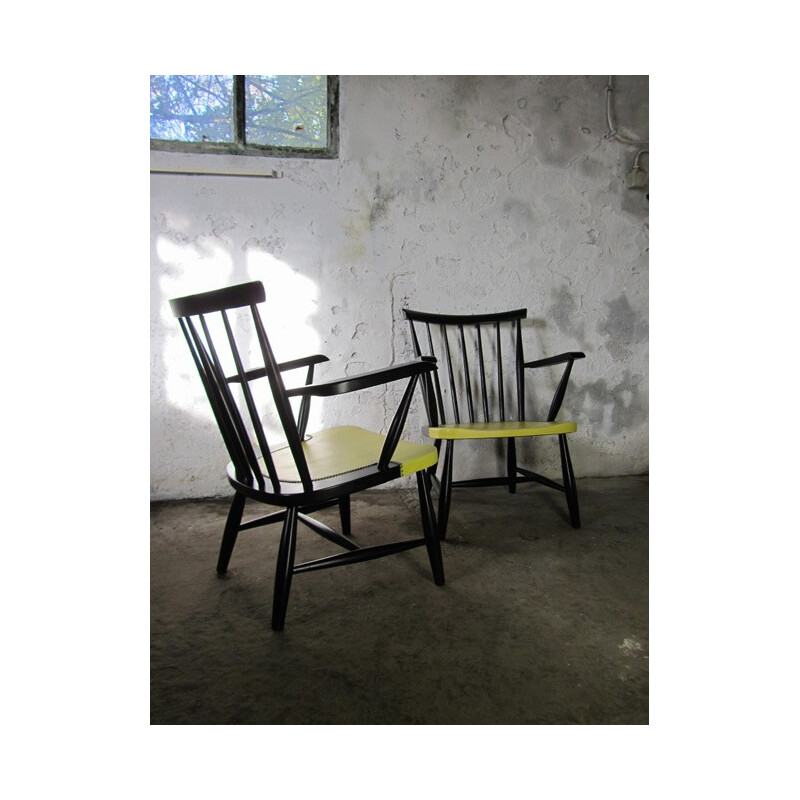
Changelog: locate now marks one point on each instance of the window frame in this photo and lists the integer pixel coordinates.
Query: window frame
(240, 147)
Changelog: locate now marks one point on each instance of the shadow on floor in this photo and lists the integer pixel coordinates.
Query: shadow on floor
(537, 624)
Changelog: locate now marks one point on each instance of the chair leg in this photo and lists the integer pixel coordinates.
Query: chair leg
(511, 464)
(429, 527)
(445, 488)
(284, 569)
(344, 513)
(231, 532)
(570, 486)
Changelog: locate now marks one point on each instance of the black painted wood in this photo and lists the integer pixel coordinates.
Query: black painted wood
(478, 381)
(218, 326)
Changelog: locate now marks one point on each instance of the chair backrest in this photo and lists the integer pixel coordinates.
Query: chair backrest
(233, 355)
(480, 362)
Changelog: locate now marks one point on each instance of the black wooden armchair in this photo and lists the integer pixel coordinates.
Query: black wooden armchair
(303, 473)
(471, 348)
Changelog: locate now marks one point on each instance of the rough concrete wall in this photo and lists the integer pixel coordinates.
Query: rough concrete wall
(465, 194)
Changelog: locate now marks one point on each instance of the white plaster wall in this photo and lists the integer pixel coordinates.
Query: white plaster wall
(450, 193)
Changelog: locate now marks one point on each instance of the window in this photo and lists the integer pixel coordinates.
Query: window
(290, 115)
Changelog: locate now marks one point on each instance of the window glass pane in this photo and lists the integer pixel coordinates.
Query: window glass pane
(287, 110)
(191, 108)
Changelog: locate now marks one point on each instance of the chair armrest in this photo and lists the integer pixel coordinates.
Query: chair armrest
(561, 389)
(297, 363)
(306, 361)
(366, 379)
(563, 358)
(410, 369)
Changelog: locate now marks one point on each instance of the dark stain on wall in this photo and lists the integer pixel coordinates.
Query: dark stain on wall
(622, 327)
(379, 208)
(622, 407)
(564, 312)
(519, 212)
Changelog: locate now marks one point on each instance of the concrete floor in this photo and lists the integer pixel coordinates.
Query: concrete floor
(537, 623)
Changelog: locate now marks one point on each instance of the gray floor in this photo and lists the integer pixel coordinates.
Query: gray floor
(537, 623)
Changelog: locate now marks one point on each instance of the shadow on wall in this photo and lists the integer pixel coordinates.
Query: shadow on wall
(186, 449)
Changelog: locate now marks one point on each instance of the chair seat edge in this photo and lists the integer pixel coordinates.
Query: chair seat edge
(501, 430)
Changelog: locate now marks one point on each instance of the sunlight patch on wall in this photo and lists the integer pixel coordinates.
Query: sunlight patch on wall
(291, 302)
(188, 271)
(290, 306)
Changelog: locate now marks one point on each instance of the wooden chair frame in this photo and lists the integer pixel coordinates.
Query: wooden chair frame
(485, 402)
(284, 476)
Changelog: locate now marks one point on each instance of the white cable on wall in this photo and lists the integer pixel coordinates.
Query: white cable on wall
(612, 131)
(637, 178)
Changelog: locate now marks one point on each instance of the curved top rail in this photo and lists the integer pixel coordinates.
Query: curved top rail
(465, 319)
(244, 294)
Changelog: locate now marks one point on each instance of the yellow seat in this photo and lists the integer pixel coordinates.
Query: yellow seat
(339, 452)
(466, 398)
